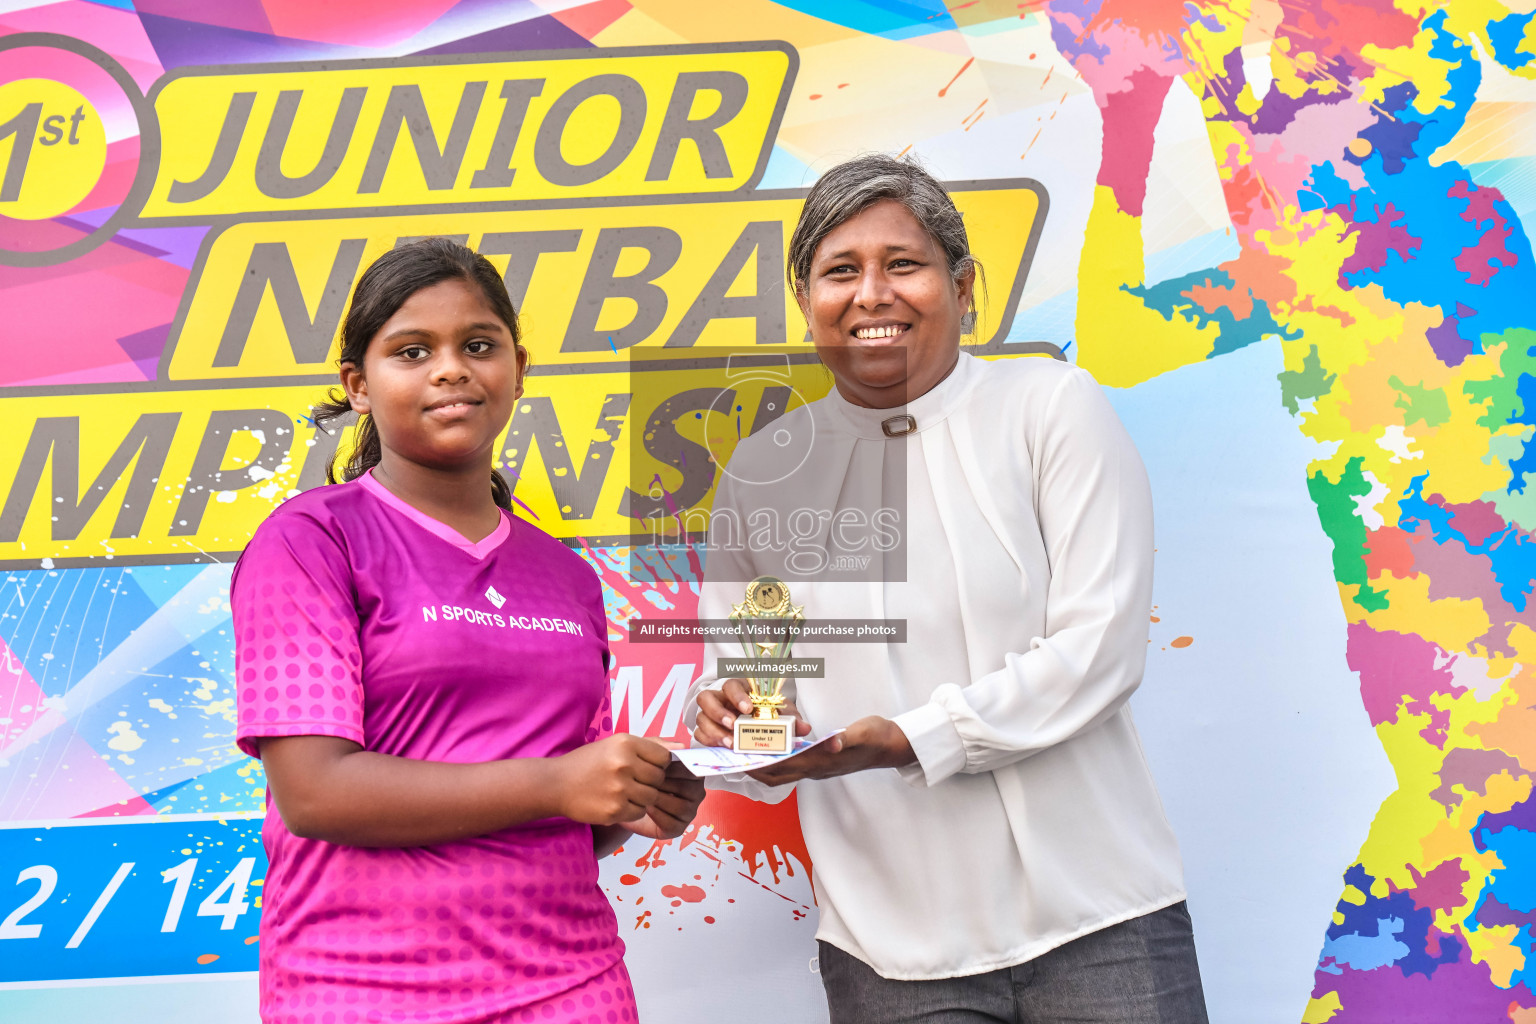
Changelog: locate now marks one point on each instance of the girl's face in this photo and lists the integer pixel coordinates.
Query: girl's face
(439, 378)
(883, 311)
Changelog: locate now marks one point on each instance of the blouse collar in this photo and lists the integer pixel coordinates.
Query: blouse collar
(926, 410)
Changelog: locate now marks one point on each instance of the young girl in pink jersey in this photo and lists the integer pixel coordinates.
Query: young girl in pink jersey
(423, 675)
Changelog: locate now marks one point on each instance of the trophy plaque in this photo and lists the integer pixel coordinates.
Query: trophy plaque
(767, 623)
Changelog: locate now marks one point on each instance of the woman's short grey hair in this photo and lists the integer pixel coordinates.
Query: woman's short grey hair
(854, 186)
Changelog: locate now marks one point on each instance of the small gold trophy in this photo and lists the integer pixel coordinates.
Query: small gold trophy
(767, 622)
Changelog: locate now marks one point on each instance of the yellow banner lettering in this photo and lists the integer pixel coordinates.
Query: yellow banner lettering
(446, 133)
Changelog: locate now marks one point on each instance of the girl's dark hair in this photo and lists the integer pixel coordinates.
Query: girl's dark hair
(393, 278)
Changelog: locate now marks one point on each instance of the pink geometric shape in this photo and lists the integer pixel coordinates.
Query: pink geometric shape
(80, 269)
(132, 807)
(116, 178)
(128, 371)
(245, 15)
(18, 691)
(155, 275)
(49, 333)
(118, 32)
(67, 783)
(590, 19)
(80, 781)
(380, 23)
(145, 347)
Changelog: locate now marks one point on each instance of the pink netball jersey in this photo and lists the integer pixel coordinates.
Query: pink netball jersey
(357, 616)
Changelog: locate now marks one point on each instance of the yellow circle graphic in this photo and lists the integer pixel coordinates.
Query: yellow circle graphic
(53, 148)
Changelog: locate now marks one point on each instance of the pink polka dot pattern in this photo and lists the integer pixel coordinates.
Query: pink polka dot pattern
(298, 662)
(606, 999)
(602, 722)
(442, 930)
(354, 621)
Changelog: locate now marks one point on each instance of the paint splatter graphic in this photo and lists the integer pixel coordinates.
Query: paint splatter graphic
(760, 843)
(1397, 283)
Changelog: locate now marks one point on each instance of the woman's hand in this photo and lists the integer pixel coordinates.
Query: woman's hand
(677, 801)
(871, 742)
(617, 779)
(719, 709)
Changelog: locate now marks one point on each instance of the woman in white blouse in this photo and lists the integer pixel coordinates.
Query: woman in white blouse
(987, 839)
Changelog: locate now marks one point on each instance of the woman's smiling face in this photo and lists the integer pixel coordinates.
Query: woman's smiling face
(440, 377)
(882, 309)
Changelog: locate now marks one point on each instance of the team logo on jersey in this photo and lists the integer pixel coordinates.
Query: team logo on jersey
(494, 597)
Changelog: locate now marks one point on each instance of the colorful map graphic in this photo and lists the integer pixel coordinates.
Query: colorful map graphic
(1398, 283)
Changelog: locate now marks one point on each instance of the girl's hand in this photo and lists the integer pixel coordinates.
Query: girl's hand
(614, 780)
(677, 802)
(871, 742)
(718, 710)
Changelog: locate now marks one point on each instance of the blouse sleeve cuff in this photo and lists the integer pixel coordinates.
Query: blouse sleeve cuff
(936, 742)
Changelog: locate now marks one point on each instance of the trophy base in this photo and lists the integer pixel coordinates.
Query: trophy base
(764, 735)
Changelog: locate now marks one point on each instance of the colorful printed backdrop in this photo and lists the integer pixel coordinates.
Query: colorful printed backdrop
(1288, 234)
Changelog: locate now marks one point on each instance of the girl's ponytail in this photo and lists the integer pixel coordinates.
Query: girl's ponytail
(366, 450)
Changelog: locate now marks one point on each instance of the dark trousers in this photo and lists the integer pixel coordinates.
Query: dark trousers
(1142, 971)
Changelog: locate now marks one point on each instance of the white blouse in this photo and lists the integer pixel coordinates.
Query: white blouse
(1030, 817)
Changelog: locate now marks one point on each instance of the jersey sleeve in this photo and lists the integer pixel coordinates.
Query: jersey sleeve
(298, 658)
